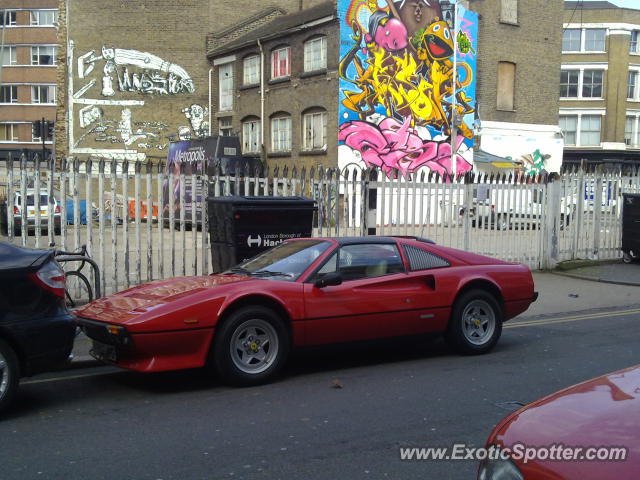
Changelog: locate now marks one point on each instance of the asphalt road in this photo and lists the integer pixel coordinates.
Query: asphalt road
(102, 423)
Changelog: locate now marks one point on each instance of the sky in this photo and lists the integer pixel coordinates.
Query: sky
(625, 3)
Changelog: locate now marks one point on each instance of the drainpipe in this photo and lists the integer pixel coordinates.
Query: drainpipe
(262, 149)
(210, 72)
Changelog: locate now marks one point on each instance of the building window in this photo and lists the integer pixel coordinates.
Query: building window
(43, 55)
(594, 39)
(251, 135)
(225, 126)
(43, 94)
(569, 82)
(509, 11)
(8, 94)
(569, 127)
(590, 130)
(314, 130)
(9, 56)
(315, 54)
(44, 17)
(571, 40)
(281, 63)
(225, 81)
(633, 45)
(7, 17)
(633, 92)
(251, 70)
(8, 132)
(581, 84)
(281, 134)
(506, 86)
(631, 132)
(592, 83)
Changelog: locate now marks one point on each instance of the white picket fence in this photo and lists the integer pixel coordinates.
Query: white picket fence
(537, 221)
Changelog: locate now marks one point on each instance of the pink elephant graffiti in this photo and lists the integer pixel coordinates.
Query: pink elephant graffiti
(394, 145)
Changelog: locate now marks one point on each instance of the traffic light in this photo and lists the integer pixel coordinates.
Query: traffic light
(36, 129)
(49, 129)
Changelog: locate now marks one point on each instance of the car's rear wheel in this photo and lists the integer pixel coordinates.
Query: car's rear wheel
(476, 323)
(251, 346)
(9, 374)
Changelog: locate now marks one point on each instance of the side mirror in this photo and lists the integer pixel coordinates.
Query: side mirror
(328, 280)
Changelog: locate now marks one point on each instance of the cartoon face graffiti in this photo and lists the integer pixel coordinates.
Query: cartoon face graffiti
(417, 14)
(388, 33)
(438, 41)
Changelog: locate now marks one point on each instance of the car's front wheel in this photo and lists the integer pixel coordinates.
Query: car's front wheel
(9, 374)
(476, 323)
(251, 346)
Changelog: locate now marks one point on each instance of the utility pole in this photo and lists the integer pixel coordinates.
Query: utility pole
(454, 79)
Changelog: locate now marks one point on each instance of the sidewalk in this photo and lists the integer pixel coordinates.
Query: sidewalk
(584, 288)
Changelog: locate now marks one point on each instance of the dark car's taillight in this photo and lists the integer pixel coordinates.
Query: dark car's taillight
(16, 210)
(51, 278)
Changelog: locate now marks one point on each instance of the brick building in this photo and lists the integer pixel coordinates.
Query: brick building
(134, 75)
(600, 83)
(27, 71)
(295, 120)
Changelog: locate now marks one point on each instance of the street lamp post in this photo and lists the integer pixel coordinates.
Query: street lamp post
(454, 79)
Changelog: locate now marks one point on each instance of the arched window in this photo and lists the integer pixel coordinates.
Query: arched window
(281, 132)
(314, 129)
(281, 62)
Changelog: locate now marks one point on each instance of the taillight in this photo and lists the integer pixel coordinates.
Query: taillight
(51, 278)
(16, 210)
(57, 209)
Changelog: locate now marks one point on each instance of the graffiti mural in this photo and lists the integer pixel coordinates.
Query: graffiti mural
(397, 92)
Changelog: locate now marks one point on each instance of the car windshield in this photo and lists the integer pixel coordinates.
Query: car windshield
(287, 261)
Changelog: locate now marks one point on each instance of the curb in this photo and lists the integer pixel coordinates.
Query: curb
(594, 279)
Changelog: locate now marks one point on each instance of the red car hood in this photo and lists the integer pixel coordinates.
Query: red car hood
(604, 411)
(135, 304)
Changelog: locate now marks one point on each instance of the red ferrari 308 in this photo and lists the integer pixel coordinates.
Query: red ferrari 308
(303, 292)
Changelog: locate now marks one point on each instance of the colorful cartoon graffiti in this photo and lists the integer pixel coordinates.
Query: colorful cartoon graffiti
(397, 95)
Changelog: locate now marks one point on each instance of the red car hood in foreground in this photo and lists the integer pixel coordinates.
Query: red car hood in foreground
(602, 412)
(142, 302)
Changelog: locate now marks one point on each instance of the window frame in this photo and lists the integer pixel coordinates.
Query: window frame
(308, 145)
(583, 131)
(14, 132)
(13, 94)
(258, 142)
(245, 80)
(13, 17)
(583, 40)
(573, 132)
(226, 87)
(36, 91)
(13, 56)
(310, 57)
(407, 255)
(278, 143)
(227, 129)
(635, 72)
(581, 81)
(634, 139)
(37, 56)
(273, 63)
(634, 42)
(37, 12)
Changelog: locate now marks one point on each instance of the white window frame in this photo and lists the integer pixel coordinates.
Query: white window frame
(581, 69)
(580, 113)
(12, 99)
(310, 127)
(36, 94)
(12, 22)
(35, 17)
(278, 52)
(635, 128)
(35, 54)
(14, 132)
(575, 133)
(583, 40)
(636, 93)
(315, 54)
(251, 70)
(225, 87)
(281, 133)
(251, 142)
(226, 128)
(636, 50)
(11, 52)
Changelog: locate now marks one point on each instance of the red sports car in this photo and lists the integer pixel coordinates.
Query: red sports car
(587, 432)
(308, 292)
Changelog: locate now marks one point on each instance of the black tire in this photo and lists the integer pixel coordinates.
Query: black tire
(474, 305)
(233, 365)
(77, 289)
(9, 375)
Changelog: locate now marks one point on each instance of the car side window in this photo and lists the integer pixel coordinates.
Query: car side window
(368, 261)
(422, 260)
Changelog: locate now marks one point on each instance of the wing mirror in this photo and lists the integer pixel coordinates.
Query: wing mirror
(328, 280)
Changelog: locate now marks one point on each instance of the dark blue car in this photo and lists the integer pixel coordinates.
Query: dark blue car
(36, 330)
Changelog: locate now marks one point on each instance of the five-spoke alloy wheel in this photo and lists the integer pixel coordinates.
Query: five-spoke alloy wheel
(476, 323)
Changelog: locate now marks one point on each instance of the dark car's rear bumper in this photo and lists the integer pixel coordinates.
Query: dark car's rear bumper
(45, 342)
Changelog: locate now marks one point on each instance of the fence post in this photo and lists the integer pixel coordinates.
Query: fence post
(468, 205)
(552, 208)
(370, 202)
(597, 214)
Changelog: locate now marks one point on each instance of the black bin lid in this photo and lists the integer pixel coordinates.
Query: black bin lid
(265, 202)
